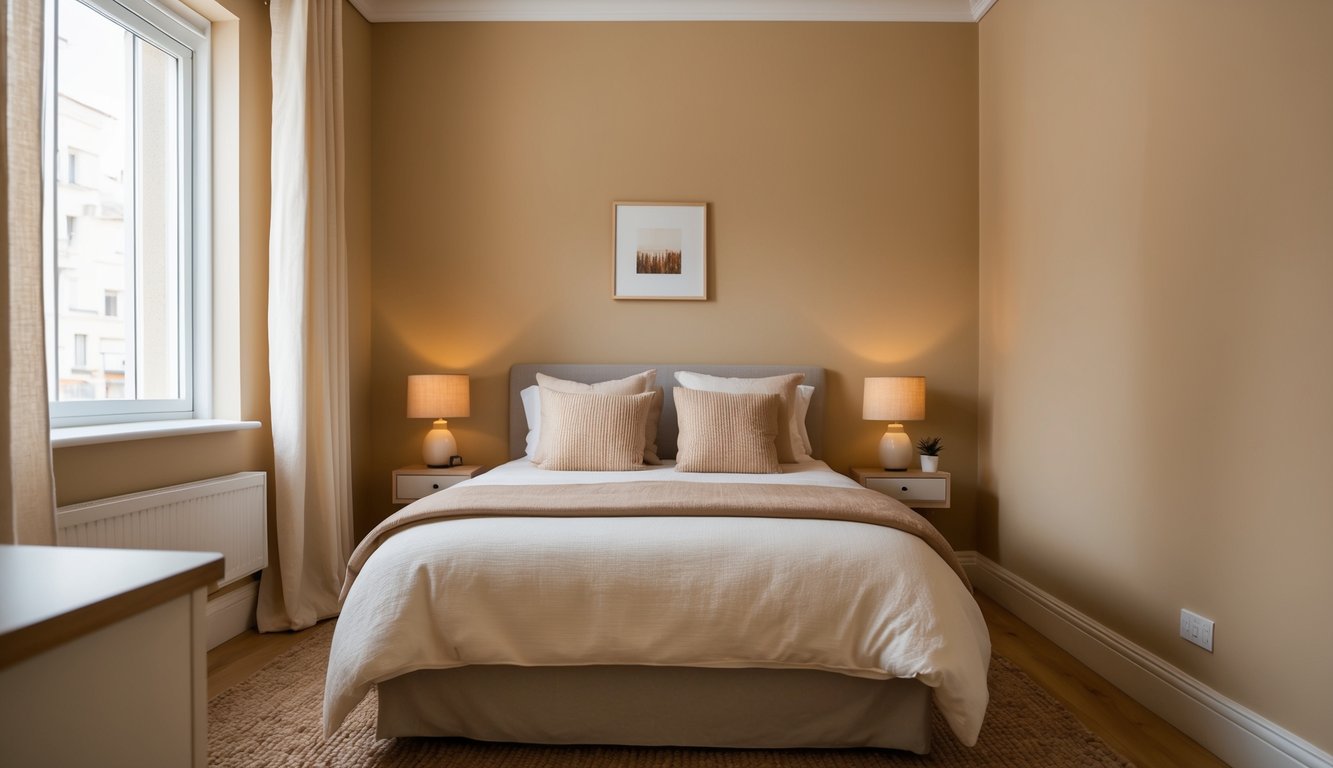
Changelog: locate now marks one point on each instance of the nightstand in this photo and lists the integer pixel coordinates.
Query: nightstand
(916, 489)
(414, 482)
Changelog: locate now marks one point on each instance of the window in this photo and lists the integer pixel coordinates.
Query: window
(122, 116)
(113, 358)
(80, 350)
(113, 364)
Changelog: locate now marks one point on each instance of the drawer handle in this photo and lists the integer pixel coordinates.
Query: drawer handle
(436, 486)
(904, 488)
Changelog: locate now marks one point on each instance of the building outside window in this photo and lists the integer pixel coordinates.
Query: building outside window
(113, 368)
(81, 350)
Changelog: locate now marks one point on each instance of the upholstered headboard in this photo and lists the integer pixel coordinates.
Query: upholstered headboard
(525, 375)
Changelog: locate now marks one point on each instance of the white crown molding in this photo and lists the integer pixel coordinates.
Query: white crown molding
(979, 8)
(1234, 733)
(961, 11)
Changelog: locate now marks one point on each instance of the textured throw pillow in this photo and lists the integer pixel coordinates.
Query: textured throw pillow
(783, 386)
(630, 385)
(723, 432)
(650, 428)
(595, 432)
(804, 394)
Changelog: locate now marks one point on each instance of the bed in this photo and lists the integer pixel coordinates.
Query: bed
(650, 622)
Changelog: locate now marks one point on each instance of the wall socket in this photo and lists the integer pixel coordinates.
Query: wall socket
(1196, 629)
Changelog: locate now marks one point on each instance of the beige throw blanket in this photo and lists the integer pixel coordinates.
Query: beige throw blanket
(658, 498)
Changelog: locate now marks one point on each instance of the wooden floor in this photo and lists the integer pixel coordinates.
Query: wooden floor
(243, 655)
(1128, 727)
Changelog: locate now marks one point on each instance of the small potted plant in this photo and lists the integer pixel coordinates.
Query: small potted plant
(929, 448)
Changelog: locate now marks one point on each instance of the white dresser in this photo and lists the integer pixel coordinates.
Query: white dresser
(102, 659)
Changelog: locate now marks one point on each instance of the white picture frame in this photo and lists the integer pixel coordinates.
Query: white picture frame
(660, 251)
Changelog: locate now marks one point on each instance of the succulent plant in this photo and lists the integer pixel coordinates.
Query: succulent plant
(930, 446)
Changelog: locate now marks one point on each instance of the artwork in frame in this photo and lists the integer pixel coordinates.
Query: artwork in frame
(661, 251)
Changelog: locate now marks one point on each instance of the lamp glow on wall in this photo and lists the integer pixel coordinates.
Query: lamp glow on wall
(438, 396)
(894, 399)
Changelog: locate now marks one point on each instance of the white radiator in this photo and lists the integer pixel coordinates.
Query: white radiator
(223, 514)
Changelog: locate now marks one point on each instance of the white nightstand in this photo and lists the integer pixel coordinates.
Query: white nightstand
(414, 482)
(916, 489)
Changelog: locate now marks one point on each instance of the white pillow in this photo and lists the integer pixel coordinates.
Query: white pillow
(791, 447)
(630, 385)
(532, 411)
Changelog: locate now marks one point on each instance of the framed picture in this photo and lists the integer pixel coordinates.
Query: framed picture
(660, 251)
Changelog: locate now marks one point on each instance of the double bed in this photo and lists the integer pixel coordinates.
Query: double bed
(658, 606)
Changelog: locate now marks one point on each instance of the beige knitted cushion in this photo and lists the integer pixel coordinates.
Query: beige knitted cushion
(723, 432)
(630, 385)
(588, 431)
(784, 386)
(650, 427)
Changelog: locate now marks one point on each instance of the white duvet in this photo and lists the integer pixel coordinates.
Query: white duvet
(853, 598)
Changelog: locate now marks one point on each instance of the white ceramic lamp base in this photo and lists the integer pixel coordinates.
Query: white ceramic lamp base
(895, 448)
(439, 445)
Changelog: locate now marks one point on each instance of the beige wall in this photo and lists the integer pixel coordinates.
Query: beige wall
(1156, 186)
(839, 162)
(357, 68)
(91, 472)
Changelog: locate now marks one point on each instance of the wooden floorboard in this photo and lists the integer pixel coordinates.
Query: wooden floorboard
(1127, 726)
(1124, 724)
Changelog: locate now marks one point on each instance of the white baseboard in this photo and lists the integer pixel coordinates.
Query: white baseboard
(1238, 735)
(230, 614)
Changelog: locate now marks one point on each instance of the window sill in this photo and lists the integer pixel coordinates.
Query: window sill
(66, 437)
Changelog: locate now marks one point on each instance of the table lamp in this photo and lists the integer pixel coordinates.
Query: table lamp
(894, 399)
(438, 396)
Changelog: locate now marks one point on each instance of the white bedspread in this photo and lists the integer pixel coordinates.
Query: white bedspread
(852, 598)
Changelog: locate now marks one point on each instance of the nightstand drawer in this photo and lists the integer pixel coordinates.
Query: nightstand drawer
(419, 481)
(910, 488)
(418, 486)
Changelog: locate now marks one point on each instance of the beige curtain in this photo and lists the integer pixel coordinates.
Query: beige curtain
(307, 316)
(27, 494)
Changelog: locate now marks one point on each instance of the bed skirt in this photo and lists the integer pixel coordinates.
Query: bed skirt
(656, 706)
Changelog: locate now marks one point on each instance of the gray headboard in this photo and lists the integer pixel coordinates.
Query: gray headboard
(525, 375)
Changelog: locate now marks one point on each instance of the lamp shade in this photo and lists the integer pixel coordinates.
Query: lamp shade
(438, 396)
(894, 398)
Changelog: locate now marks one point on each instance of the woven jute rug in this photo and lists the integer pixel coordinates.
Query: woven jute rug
(273, 719)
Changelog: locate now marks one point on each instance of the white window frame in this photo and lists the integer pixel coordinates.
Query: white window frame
(184, 34)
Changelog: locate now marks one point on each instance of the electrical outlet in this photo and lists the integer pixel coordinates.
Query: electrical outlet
(1196, 629)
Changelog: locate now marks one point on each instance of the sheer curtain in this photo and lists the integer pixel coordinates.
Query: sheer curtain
(307, 316)
(27, 492)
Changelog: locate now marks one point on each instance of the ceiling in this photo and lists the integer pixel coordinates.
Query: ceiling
(964, 11)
